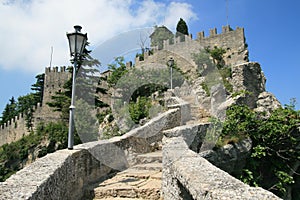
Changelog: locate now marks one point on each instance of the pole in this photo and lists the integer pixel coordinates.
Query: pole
(171, 77)
(72, 109)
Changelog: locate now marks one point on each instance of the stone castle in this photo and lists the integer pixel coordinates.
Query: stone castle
(177, 135)
(233, 41)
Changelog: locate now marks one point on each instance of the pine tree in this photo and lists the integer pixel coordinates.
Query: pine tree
(10, 111)
(38, 87)
(86, 89)
(181, 28)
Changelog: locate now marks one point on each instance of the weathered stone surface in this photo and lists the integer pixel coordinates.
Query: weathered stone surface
(218, 96)
(142, 181)
(179, 180)
(193, 135)
(65, 174)
(248, 78)
(230, 158)
(60, 175)
(267, 102)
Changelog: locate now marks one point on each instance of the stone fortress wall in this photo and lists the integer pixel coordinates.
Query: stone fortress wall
(232, 41)
(15, 128)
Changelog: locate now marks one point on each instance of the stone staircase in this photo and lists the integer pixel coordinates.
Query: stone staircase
(198, 114)
(141, 181)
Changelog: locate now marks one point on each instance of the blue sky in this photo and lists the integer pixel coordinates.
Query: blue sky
(30, 28)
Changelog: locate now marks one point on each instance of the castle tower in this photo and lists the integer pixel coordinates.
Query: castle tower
(55, 78)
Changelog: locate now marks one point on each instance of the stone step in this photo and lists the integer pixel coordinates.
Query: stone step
(148, 166)
(152, 157)
(142, 174)
(189, 99)
(118, 198)
(131, 184)
(141, 181)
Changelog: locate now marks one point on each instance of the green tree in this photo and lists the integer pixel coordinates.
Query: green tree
(26, 106)
(217, 55)
(10, 110)
(38, 87)
(274, 163)
(86, 121)
(140, 109)
(118, 69)
(87, 86)
(181, 28)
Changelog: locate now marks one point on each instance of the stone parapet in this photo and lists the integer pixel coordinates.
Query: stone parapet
(199, 179)
(65, 174)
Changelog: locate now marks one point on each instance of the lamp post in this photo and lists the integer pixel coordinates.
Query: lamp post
(77, 42)
(171, 64)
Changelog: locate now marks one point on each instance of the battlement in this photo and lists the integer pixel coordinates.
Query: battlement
(15, 128)
(56, 69)
(226, 31)
(213, 32)
(232, 41)
(18, 117)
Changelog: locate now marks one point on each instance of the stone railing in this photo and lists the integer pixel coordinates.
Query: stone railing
(66, 173)
(199, 179)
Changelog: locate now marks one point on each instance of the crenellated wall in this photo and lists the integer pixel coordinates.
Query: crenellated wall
(16, 128)
(182, 48)
(55, 78)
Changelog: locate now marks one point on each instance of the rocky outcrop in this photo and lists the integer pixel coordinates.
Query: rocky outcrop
(231, 157)
(249, 77)
(199, 179)
(266, 103)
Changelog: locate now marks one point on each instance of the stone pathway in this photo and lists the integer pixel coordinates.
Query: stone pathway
(142, 181)
(198, 114)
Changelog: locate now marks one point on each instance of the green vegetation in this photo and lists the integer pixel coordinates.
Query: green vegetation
(118, 69)
(135, 87)
(226, 73)
(211, 65)
(275, 156)
(217, 54)
(241, 92)
(47, 139)
(205, 88)
(86, 87)
(181, 29)
(140, 109)
(25, 104)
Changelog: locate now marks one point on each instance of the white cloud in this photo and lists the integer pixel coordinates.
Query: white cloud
(30, 27)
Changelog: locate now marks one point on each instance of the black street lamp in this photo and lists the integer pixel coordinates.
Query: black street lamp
(77, 42)
(171, 64)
